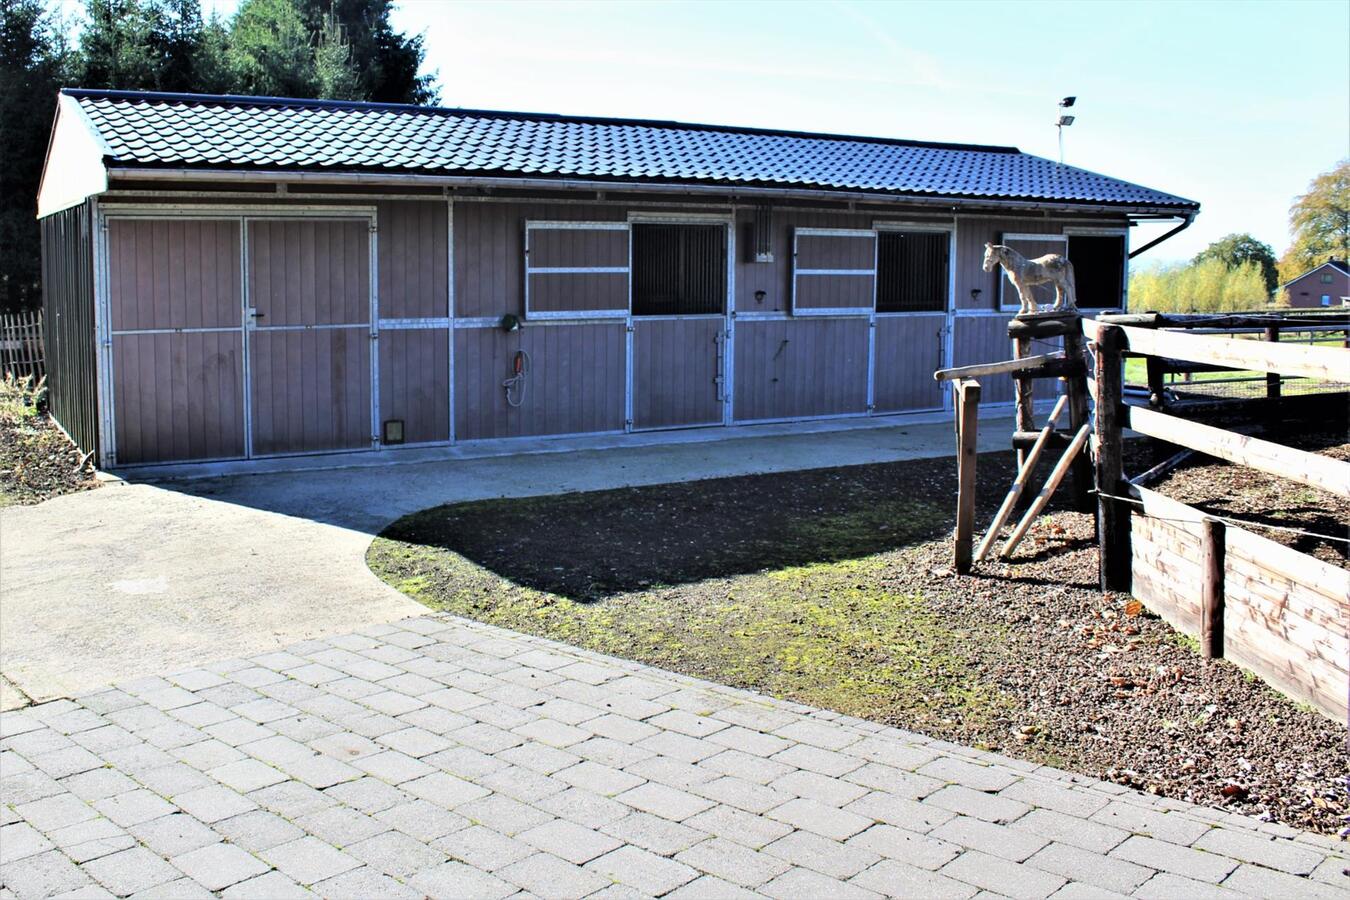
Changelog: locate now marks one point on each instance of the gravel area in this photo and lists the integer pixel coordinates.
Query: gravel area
(833, 587)
(37, 461)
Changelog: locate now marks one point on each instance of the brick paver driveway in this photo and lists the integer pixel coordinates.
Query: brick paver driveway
(444, 758)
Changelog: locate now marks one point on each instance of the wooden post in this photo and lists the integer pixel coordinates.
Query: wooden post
(1019, 483)
(1213, 547)
(1157, 383)
(967, 432)
(1113, 516)
(1051, 484)
(1273, 388)
(1023, 391)
(1076, 388)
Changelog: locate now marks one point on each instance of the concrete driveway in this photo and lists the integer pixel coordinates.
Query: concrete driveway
(140, 578)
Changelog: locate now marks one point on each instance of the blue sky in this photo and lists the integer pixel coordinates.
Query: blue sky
(1237, 104)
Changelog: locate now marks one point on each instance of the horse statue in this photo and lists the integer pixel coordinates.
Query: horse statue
(1024, 273)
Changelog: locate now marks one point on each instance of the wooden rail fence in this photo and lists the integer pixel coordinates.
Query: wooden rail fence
(1277, 612)
(21, 352)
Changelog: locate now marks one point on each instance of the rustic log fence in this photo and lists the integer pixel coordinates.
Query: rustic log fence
(21, 354)
(1275, 611)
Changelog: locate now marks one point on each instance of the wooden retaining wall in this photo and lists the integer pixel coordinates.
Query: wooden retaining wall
(1285, 614)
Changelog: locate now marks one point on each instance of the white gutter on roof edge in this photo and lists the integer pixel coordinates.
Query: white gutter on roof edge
(263, 175)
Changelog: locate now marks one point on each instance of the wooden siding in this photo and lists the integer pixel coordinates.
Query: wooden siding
(415, 382)
(676, 363)
(173, 273)
(591, 248)
(490, 251)
(909, 349)
(69, 336)
(971, 236)
(414, 266)
(794, 368)
(578, 292)
(310, 390)
(1284, 612)
(775, 278)
(178, 396)
(575, 381)
(309, 271)
(984, 339)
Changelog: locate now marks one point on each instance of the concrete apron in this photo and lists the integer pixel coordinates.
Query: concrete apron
(141, 578)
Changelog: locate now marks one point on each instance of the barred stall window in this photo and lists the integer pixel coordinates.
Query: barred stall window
(912, 271)
(679, 270)
(1098, 269)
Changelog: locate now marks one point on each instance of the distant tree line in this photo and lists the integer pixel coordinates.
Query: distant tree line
(1238, 272)
(334, 49)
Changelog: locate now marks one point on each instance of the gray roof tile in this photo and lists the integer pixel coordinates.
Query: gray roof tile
(143, 129)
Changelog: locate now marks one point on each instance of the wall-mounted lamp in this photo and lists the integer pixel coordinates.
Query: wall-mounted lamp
(759, 296)
(1064, 121)
(975, 295)
(510, 323)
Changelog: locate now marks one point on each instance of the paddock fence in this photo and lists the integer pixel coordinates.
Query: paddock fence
(1277, 612)
(21, 352)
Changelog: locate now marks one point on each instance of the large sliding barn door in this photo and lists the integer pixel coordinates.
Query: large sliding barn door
(309, 334)
(176, 303)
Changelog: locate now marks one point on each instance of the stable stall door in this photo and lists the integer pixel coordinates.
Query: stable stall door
(309, 335)
(679, 289)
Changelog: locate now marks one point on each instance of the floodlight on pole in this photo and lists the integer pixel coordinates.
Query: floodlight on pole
(1062, 122)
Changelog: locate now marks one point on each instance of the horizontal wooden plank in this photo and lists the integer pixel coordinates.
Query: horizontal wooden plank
(1317, 471)
(1327, 363)
(996, 368)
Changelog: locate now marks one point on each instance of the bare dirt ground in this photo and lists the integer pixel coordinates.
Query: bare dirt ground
(36, 460)
(832, 587)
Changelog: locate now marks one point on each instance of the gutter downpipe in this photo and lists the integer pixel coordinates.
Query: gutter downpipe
(1190, 217)
(272, 176)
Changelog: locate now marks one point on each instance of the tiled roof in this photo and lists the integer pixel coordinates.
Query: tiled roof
(142, 129)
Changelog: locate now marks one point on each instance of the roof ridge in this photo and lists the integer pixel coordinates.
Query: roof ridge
(667, 124)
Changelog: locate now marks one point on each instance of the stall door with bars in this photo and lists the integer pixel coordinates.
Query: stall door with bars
(309, 334)
(679, 288)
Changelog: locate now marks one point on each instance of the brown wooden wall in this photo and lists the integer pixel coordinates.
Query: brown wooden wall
(180, 273)
(415, 382)
(793, 368)
(575, 381)
(413, 249)
(676, 364)
(909, 349)
(1285, 612)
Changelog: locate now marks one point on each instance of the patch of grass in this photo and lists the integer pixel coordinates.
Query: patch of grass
(824, 631)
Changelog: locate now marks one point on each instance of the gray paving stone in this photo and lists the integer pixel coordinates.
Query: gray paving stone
(319, 771)
(291, 799)
(610, 752)
(174, 835)
(246, 775)
(804, 884)
(174, 779)
(1009, 879)
(1077, 890)
(257, 830)
(1263, 850)
(369, 794)
(598, 778)
(20, 840)
(539, 758)
(341, 825)
(966, 801)
(818, 734)
(54, 812)
(1195, 864)
(444, 790)
(831, 791)
(308, 860)
(666, 802)
(892, 878)
(920, 850)
(671, 772)
(654, 833)
(1166, 886)
(1256, 881)
(707, 887)
(483, 848)
(130, 871)
(66, 761)
(829, 857)
(747, 766)
(1060, 798)
(751, 741)
(742, 827)
(101, 740)
(547, 876)
(211, 804)
(217, 866)
(365, 883)
(521, 784)
(1171, 827)
(569, 841)
(396, 854)
(273, 886)
(456, 880)
(465, 762)
(997, 840)
(816, 817)
(422, 820)
(1068, 829)
(133, 807)
(1095, 869)
(415, 742)
(651, 874)
(43, 874)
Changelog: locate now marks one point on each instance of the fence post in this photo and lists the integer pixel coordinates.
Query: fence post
(1113, 516)
(1213, 549)
(967, 433)
(1272, 387)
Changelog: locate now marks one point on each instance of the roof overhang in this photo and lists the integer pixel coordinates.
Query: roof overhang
(525, 183)
(74, 169)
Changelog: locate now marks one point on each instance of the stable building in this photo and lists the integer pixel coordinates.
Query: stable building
(234, 278)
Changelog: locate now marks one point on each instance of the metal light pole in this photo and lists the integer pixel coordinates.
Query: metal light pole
(1062, 122)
